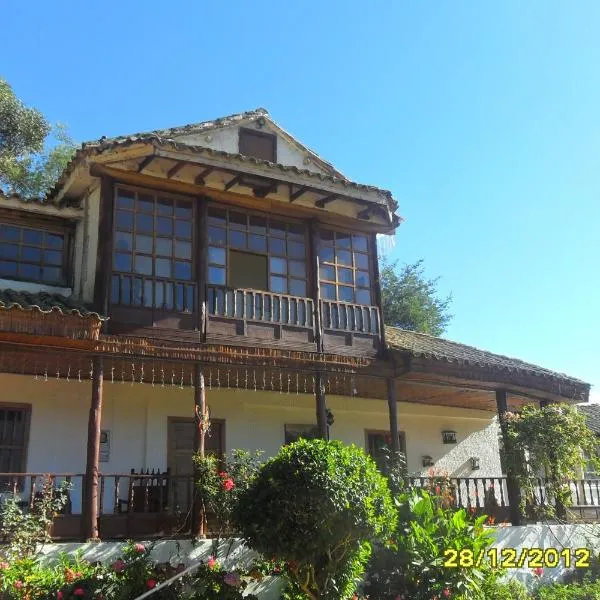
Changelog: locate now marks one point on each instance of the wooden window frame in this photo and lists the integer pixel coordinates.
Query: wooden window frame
(221, 422)
(44, 224)
(248, 232)
(385, 432)
(369, 253)
(258, 133)
(26, 408)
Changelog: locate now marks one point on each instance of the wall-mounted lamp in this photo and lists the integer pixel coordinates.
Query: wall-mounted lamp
(474, 463)
(449, 437)
(427, 461)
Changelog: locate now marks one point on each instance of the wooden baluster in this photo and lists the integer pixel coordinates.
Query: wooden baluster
(577, 498)
(458, 493)
(101, 499)
(116, 495)
(32, 483)
(131, 494)
(146, 481)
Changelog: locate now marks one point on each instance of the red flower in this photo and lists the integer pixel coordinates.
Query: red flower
(538, 572)
(118, 566)
(228, 484)
(59, 595)
(19, 584)
(223, 475)
(139, 548)
(446, 593)
(211, 562)
(78, 592)
(150, 584)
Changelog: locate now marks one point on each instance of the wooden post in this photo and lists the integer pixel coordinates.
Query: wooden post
(105, 247)
(315, 284)
(393, 410)
(201, 268)
(198, 509)
(90, 508)
(377, 289)
(512, 486)
(320, 401)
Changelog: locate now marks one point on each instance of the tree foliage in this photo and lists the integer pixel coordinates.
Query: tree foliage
(411, 301)
(33, 152)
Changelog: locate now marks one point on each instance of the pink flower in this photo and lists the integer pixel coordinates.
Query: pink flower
(228, 484)
(118, 566)
(4, 566)
(233, 579)
(446, 593)
(19, 584)
(139, 548)
(150, 584)
(59, 595)
(223, 475)
(211, 562)
(538, 572)
(78, 592)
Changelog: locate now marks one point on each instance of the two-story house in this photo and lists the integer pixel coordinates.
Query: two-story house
(216, 286)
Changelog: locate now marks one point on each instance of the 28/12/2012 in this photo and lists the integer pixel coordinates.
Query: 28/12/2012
(513, 558)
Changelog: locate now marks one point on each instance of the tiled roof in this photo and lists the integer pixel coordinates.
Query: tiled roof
(45, 303)
(428, 346)
(592, 415)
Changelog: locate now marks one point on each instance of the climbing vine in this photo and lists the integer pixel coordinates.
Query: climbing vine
(546, 448)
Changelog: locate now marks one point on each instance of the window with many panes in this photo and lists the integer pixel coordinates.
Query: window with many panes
(251, 251)
(14, 429)
(152, 251)
(345, 267)
(32, 254)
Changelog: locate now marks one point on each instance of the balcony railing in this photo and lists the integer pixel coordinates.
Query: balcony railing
(350, 317)
(163, 294)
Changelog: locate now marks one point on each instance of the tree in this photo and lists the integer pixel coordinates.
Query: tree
(33, 152)
(411, 301)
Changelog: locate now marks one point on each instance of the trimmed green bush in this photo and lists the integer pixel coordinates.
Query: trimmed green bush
(318, 505)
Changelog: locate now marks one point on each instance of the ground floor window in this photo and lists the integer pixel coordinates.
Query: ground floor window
(14, 434)
(295, 432)
(380, 442)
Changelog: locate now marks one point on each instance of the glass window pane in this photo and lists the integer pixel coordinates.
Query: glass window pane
(164, 207)
(144, 203)
(183, 249)
(326, 254)
(148, 296)
(143, 243)
(143, 265)
(124, 220)
(164, 226)
(51, 274)
(183, 209)
(277, 229)
(164, 247)
(359, 242)
(296, 231)
(54, 241)
(32, 236)
(258, 225)
(327, 272)
(216, 235)
(162, 267)
(114, 290)
(29, 271)
(278, 284)
(126, 290)
(183, 229)
(8, 268)
(296, 250)
(159, 294)
(278, 265)
(216, 275)
(216, 216)
(344, 257)
(345, 293)
(143, 223)
(363, 296)
(237, 239)
(326, 237)
(179, 297)
(362, 279)
(31, 254)
(361, 261)
(298, 287)
(237, 220)
(125, 199)
(183, 270)
(328, 291)
(122, 262)
(258, 243)
(216, 255)
(277, 246)
(9, 251)
(137, 291)
(342, 240)
(345, 275)
(52, 257)
(123, 241)
(297, 268)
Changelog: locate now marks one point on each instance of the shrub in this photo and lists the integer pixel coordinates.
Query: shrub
(412, 565)
(317, 505)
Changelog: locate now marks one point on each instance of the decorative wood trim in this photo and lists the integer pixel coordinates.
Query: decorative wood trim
(105, 247)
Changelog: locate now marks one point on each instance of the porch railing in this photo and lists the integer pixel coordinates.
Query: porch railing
(350, 317)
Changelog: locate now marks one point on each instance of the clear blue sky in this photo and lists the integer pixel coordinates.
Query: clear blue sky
(483, 118)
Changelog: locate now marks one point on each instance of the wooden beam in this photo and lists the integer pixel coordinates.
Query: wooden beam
(145, 163)
(299, 192)
(323, 202)
(314, 283)
(201, 177)
(233, 181)
(200, 414)
(105, 244)
(175, 169)
(365, 214)
(201, 267)
(393, 413)
(90, 508)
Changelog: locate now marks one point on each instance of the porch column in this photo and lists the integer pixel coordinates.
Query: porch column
(393, 410)
(90, 497)
(198, 513)
(512, 487)
(321, 408)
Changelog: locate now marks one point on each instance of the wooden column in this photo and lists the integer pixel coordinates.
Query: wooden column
(105, 247)
(512, 486)
(393, 410)
(201, 268)
(198, 510)
(377, 289)
(320, 402)
(90, 507)
(315, 284)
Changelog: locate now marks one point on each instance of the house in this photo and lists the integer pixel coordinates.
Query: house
(216, 286)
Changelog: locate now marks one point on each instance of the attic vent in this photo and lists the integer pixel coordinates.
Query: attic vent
(258, 144)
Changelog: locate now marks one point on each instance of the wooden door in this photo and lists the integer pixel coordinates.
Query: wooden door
(180, 442)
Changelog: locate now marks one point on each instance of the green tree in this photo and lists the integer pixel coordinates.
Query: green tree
(33, 152)
(411, 301)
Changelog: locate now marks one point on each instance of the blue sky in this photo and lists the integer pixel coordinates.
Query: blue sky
(482, 118)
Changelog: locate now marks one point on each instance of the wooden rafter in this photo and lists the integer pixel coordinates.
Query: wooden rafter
(145, 162)
(295, 195)
(175, 169)
(233, 181)
(323, 202)
(365, 214)
(200, 179)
